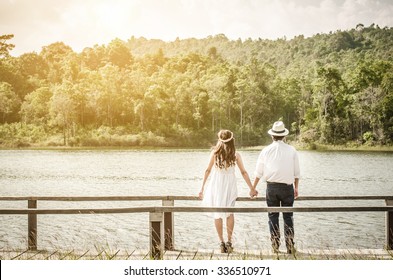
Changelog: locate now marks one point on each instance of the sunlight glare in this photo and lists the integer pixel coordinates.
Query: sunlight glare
(109, 16)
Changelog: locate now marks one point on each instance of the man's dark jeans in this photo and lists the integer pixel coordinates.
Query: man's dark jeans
(280, 195)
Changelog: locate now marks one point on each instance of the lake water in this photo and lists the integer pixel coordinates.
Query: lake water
(132, 173)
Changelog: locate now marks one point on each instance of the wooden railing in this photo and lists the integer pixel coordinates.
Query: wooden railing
(161, 217)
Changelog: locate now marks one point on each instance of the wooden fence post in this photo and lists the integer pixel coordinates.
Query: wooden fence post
(156, 235)
(389, 226)
(32, 225)
(169, 226)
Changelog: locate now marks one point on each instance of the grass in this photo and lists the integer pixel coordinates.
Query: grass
(345, 148)
(316, 147)
(143, 254)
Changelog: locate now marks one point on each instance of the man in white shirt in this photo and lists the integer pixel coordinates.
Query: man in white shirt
(278, 165)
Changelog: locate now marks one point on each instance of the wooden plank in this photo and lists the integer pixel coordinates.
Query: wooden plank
(156, 222)
(278, 209)
(20, 254)
(99, 254)
(32, 226)
(66, 255)
(128, 256)
(185, 198)
(389, 227)
(85, 198)
(204, 254)
(366, 197)
(169, 226)
(190, 209)
(78, 211)
(33, 255)
(48, 257)
(81, 256)
(114, 255)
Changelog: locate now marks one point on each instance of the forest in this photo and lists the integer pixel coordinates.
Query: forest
(334, 88)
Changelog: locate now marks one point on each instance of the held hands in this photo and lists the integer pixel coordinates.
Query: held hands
(200, 194)
(253, 193)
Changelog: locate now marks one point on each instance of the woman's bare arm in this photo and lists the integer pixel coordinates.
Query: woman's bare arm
(243, 171)
(206, 175)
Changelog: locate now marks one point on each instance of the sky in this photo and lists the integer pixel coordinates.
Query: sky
(85, 23)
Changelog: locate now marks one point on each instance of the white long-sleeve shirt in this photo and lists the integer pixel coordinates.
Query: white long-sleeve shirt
(278, 163)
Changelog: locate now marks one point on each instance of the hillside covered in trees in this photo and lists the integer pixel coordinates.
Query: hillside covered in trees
(334, 88)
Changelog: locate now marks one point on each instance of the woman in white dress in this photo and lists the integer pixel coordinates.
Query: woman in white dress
(222, 190)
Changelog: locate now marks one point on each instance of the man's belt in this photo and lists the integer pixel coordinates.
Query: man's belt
(280, 184)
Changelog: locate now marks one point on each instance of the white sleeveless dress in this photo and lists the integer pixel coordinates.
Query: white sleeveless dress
(221, 190)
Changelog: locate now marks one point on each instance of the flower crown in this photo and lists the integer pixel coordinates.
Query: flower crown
(226, 140)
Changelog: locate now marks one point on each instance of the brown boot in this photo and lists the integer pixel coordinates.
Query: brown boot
(229, 247)
(223, 248)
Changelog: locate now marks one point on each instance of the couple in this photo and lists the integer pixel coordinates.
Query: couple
(278, 164)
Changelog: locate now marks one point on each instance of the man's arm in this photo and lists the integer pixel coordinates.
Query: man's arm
(297, 174)
(258, 174)
(296, 187)
(253, 191)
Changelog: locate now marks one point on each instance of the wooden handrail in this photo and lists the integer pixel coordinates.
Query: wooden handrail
(161, 217)
(189, 209)
(185, 198)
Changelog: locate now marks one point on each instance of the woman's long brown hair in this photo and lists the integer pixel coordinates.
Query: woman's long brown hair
(225, 152)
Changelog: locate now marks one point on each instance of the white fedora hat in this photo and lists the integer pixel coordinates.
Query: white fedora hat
(278, 129)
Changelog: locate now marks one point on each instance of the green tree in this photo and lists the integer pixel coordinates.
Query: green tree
(55, 55)
(32, 65)
(9, 101)
(35, 107)
(371, 83)
(4, 46)
(109, 94)
(63, 110)
(140, 85)
(329, 95)
(387, 104)
(119, 54)
(93, 58)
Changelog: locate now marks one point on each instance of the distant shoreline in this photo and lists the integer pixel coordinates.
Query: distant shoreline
(315, 147)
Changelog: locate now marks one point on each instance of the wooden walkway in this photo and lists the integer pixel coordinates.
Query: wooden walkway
(311, 254)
